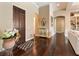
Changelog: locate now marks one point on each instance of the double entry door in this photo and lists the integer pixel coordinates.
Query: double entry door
(19, 22)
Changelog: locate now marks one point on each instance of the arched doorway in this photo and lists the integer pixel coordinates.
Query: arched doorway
(60, 24)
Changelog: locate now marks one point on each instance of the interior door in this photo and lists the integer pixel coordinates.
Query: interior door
(19, 22)
(60, 24)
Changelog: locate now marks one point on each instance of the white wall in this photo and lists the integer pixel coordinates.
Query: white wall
(51, 28)
(6, 16)
(67, 23)
(67, 19)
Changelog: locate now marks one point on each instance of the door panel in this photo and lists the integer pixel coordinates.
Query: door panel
(19, 22)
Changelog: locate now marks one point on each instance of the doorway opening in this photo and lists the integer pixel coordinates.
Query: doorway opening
(60, 24)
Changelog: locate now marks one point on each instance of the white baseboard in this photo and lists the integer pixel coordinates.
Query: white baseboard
(52, 35)
(33, 37)
(30, 39)
(66, 35)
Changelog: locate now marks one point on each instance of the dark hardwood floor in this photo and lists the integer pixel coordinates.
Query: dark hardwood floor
(55, 46)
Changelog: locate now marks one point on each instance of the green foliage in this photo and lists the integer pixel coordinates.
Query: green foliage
(7, 35)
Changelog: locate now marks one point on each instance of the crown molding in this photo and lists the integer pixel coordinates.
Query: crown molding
(35, 5)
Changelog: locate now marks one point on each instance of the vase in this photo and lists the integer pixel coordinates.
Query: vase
(8, 43)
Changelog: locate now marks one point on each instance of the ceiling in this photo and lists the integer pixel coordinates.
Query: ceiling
(40, 4)
(61, 5)
(56, 5)
(75, 6)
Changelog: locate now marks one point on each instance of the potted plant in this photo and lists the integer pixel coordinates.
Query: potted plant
(9, 38)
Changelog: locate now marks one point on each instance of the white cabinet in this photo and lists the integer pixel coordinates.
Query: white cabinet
(74, 21)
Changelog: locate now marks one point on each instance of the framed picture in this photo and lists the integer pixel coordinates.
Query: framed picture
(43, 22)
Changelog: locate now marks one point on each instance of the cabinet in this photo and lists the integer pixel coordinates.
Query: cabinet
(74, 21)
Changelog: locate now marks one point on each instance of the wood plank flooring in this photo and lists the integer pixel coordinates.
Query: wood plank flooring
(55, 46)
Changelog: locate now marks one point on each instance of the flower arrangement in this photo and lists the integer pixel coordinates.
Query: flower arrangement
(9, 38)
(9, 34)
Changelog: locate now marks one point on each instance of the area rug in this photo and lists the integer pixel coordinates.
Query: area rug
(26, 45)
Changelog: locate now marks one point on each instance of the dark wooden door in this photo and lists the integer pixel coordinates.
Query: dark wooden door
(19, 22)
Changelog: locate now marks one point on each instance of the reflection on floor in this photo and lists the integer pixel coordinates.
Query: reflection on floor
(55, 46)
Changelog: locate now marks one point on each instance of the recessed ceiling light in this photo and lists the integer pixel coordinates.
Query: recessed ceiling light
(58, 4)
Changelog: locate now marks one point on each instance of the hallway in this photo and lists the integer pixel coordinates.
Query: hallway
(40, 26)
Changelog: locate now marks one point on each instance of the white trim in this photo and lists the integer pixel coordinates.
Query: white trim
(60, 32)
(29, 39)
(46, 36)
(35, 5)
(66, 35)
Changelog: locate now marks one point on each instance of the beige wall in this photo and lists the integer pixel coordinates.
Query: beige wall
(44, 13)
(6, 17)
(47, 12)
